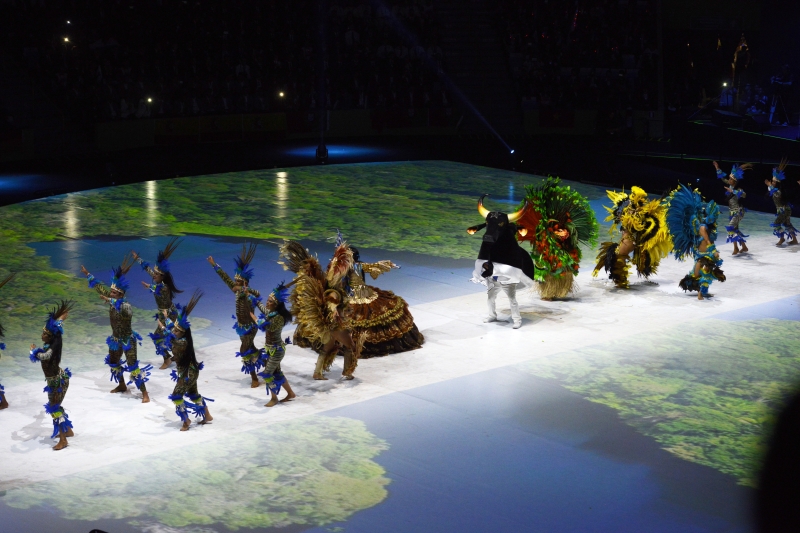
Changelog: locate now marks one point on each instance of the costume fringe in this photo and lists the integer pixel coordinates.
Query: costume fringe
(252, 360)
(616, 266)
(116, 369)
(61, 422)
(556, 286)
(139, 376)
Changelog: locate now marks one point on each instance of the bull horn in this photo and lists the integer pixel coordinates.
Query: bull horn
(482, 210)
(516, 215)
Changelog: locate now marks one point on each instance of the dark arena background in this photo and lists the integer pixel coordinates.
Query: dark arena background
(127, 123)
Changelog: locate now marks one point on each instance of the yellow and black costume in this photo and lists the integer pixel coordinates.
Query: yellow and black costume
(643, 227)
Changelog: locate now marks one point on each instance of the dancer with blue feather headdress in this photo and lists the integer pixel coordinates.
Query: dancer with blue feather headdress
(274, 317)
(3, 400)
(735, 210)
(692, 223)
(123, 338)
(179, 340)
(49, 355)
(782, 227)
(164, 290)
(244, 324)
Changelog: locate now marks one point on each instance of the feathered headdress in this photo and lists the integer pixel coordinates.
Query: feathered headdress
(737, 171)
(340, 264)
(162, 259)
(55, 320)
(118, 280)
(687, 211)
(777, 172)
(182, 322)
(3, 282)
(281, 293)
(243, 270)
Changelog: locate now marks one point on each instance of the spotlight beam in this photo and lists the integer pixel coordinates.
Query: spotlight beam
(412, 39)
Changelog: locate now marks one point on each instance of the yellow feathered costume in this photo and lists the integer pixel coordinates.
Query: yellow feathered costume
(641, 222)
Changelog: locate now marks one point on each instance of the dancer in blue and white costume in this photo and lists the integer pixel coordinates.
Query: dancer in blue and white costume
(736, 211)
(123, 339)
(179, 340)
(782, 227)
(49, 355)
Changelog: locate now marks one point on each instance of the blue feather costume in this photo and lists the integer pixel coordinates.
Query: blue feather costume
(687, 215)
(57, 379)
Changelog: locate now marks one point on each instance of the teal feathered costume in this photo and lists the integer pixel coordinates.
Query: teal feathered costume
(687, 214)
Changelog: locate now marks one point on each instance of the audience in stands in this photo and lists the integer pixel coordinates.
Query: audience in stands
(125, 59)
(592, 54)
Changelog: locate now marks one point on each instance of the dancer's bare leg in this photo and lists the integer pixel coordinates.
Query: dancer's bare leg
(62, 441)
(290, 395)
(254, 380)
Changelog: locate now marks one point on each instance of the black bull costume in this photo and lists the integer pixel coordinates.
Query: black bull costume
(502, 263)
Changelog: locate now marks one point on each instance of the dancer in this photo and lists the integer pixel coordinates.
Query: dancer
(49, 355)
(122, 339)
(245, 326)
(318, 302)
(164, 290)
(275, 316)
(179, 338)
(643, 227)
(736, 211)
(383, 316)
(783, 221)
(693, 225)
(502, 264)
(558, 222)
(3, 400)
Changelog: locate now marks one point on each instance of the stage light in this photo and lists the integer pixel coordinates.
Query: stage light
(280, 94)
(724, 83)
(512, 151)
(66, 39)
(68, 22)
(149, 100)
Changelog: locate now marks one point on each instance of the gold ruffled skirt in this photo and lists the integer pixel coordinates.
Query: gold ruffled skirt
(385, 322)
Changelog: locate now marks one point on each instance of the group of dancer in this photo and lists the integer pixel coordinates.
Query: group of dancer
(335, 312)
(555, 219)
(338, 313)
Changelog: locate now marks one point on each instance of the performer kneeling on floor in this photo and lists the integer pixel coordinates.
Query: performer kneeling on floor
(49, 355)
(502, 264)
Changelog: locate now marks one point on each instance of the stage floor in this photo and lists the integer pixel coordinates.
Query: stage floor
(637, 410)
